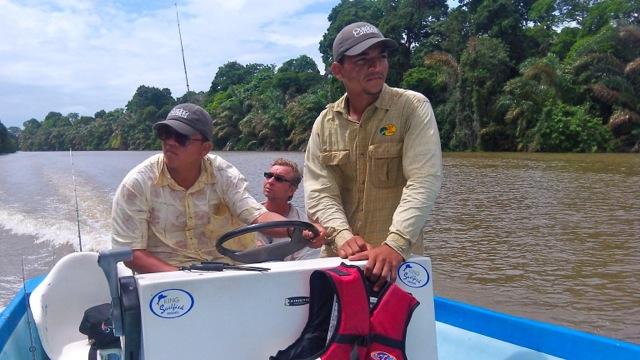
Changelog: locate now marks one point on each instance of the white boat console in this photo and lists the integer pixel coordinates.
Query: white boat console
(242, 312)
(251, 315)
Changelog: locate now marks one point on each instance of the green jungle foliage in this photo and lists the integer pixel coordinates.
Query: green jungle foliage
(502, 75)
(8, 139)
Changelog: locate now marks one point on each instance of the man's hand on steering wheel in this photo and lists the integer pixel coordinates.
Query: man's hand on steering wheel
(318, 241)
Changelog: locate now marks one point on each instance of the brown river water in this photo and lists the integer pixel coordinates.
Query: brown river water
(553, 237)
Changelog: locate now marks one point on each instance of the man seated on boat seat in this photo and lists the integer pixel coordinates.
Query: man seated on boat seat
(373, 162)
(280, 184)
(171, 208)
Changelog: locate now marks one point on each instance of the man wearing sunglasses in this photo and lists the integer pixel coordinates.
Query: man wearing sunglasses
(280, 184)
(171, 208)
(373, 162)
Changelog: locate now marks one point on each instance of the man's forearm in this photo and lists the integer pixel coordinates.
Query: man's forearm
(144, 262)
(269, 217)
(321, 193)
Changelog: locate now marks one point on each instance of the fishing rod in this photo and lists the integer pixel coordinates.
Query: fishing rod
(75, 194)
(32, 347)
(184, 64)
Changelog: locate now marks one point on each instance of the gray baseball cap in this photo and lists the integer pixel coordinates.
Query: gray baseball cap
(189, 119)
(358, 37)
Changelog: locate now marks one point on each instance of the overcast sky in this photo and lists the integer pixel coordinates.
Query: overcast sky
(84, 56)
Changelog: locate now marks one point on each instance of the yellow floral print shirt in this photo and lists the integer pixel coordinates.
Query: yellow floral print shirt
(151, 211)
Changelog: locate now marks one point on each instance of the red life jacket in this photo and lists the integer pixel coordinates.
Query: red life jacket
(340, 326)
(389, 322)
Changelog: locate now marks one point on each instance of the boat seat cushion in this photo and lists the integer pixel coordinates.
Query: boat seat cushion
(74, 284)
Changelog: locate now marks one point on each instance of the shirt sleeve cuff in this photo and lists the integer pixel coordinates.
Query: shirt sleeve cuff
(399, 244)
(341, 237)
(252, 214)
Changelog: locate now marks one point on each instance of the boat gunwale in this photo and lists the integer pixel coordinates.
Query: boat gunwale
(11, 315)
(541, 336)
(551, 339)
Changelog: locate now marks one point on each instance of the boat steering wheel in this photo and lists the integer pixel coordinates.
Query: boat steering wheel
(271, 252)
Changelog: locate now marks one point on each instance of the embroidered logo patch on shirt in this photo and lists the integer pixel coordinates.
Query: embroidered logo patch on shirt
(388, 130)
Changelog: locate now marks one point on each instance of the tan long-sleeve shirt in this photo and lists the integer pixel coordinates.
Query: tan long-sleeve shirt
(377, 178)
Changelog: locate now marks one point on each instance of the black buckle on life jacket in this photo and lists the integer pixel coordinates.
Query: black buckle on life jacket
(363, 341)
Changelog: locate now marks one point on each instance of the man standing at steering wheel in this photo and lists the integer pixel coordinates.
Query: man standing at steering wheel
(373, 164)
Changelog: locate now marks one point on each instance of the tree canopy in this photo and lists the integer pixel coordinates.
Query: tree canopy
(8, 140)
(525, 75)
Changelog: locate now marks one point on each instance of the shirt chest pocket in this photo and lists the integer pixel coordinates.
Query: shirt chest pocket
(385, 165)
(338, 163)
(334, 157)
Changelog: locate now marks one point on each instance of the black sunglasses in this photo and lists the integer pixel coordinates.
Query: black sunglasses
(166, 132)
(279, 178)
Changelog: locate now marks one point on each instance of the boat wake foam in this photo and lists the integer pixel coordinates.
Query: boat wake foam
(95, 234)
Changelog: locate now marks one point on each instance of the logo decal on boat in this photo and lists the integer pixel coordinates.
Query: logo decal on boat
(171, 303)
(413, 274)
(381, 355)
(296, 301)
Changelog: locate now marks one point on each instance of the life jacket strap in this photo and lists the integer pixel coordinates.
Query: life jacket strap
(387, 341)
(358, 340)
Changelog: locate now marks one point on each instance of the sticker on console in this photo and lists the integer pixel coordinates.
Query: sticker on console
(413, 274)
(296, 301)
(171, 303)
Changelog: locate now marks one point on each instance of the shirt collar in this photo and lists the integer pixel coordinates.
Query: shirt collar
(384, 101)
(163, 178)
